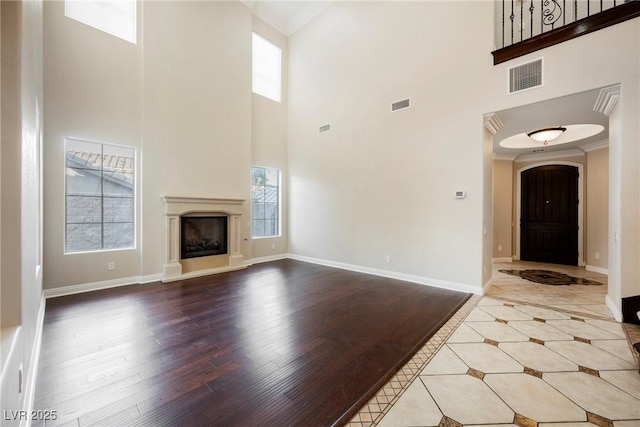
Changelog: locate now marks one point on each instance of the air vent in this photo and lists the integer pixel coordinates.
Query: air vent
(324, 128)
(525, 76)
(400, 105)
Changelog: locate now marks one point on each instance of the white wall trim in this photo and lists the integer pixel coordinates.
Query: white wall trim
(593, 146)
(32, 375)
(493, 123)
(88, 287)
(617, 314)
(267, 258)
(453, 286)
(581, 204)
(150, 278)
(595, 269)
(503, 259)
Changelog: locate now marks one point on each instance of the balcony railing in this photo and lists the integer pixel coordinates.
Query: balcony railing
(525, 26)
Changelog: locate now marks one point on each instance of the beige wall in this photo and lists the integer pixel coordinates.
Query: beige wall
(197, 111)
(597, 239)
(269, 143)
(583, 64)
(379, 184)
(503, 208)
(382, 183)
(92, 91)
(181, 96)
(21, 302)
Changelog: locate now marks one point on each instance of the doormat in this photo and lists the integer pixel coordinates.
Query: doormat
(547, 277)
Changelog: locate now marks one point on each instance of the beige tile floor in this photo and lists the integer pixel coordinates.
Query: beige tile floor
(525, 354)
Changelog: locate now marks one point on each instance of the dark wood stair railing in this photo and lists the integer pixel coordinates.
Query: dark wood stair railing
(598, 21)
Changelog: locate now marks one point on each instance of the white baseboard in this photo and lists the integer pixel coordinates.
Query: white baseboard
(268, 258)
(617, 314)
(503, 259)
(597, 269)
(30, 389)
(150, 278)
(126, 281)
(453, 286)
(88, 287)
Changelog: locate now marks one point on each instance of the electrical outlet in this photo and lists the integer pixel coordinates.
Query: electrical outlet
(597, 255)
(499, 248)
(111, 265)
(387, 258)
(273, 246)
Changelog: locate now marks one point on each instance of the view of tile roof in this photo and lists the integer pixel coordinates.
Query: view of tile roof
(105, 161)
(116, 169)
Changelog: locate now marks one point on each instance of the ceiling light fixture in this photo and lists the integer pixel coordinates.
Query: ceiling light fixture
(547, 134)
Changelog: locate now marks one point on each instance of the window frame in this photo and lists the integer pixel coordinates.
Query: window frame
(278, 207)
(134, 198)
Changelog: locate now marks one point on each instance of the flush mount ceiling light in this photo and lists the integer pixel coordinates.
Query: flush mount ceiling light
(547, 134)
(572, 133)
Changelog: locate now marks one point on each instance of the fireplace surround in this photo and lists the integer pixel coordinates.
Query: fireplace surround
(176, 265)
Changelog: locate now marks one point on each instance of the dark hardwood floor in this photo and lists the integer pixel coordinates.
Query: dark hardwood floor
(278, 344)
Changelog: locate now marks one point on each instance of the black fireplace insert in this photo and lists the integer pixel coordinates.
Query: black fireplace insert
(203, 236)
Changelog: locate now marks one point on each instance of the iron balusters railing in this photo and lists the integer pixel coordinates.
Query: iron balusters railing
(524, 26)
(525, 19)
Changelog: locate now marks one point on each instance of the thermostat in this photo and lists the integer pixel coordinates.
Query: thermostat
(461, 194)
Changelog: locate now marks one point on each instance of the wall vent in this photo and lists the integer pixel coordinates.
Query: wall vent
(525, 76)
(400, 105)
(324, 128)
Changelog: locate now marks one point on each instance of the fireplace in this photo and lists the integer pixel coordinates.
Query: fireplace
(202, 236)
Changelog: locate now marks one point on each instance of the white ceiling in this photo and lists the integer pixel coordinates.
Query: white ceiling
(569, 110)
(287, 16)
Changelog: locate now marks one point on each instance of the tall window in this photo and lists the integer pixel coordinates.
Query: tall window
(265, 202)
(100, 196)
(267, 68)
(116, 17)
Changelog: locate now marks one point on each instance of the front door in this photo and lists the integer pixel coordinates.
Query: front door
(549, 220)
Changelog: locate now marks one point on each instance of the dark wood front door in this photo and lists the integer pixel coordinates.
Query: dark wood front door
(549, 215)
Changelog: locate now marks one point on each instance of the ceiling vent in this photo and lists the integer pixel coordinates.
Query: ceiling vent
(400, 105)
(324, 128)
(525, 76)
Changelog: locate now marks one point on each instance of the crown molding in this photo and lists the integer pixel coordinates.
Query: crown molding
(607, 99)
(492, 123)
(593, 146)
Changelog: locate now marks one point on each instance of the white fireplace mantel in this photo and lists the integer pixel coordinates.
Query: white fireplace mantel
(175, 207)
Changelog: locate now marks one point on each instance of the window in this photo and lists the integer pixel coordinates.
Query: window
(267, 68)
(265, 202)
(116, 17)
(100, 197)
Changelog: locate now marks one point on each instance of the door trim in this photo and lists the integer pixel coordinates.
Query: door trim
(581, 201)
